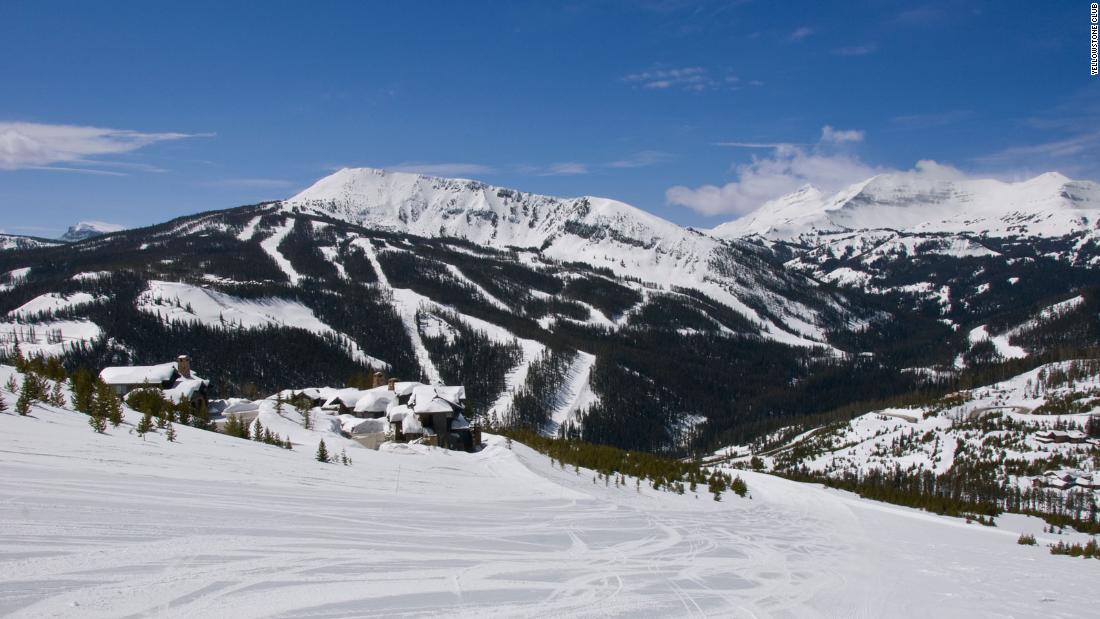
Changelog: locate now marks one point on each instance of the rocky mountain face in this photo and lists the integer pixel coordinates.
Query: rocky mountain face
(582, 316)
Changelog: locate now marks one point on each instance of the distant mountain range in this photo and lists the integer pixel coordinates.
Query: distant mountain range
(928, 201)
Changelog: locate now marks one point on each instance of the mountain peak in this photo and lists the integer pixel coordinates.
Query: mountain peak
(930, 198)
(88, 229)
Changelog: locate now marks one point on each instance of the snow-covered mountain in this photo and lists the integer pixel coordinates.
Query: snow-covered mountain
(928, 200)
(600, 232)
(89, 229)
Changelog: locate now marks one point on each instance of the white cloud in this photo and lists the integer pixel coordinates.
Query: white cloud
(687, 78)
(788, 168)
(855, 50)
(250, 183)
(1055, 149)
(801, 33)
(442, 169)
(565, 168)
(838, 136)
(40, 146)
(641, 159)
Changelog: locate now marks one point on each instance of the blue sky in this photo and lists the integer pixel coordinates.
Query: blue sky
(697, 111)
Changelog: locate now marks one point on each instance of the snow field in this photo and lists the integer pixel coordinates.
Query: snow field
(112, 525)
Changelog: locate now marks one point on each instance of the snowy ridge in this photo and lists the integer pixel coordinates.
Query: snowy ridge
(53, 302)
(930, 199)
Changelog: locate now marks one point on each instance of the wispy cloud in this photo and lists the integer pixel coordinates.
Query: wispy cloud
(250, 183)
(919, 16)
(768, 145)
(26, 145)
(800, 33)
(442, 169)
(1053, 149)
(686, 78)
(564, 168)
(935, 119)
(855, 50)
(641, 159)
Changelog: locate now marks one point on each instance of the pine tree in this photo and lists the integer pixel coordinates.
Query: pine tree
(3, 405)
(322, 452)
(279, 404)
(83, 388)
(170, 433)
(145, 425)
(269, 436)
(11, 384)
(18, 360)
(344, 457)
(113, 406)
(183, 411)
(307, 421)
(98, 423)
(258, 431)
(23, 404)
(201, 417)
(57, 396)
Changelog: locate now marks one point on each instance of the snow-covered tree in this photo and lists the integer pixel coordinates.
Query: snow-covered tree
(322, 452)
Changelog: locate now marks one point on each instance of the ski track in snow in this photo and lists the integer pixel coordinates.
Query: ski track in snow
(271, 246)
(495, 302)
(575, 394)
(250, 229)
(212, 526)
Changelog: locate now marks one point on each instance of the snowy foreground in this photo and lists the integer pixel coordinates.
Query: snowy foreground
(212, 526)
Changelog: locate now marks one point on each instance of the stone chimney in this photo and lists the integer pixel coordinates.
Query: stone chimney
(183, 366)
(393, 384)
(378, 380)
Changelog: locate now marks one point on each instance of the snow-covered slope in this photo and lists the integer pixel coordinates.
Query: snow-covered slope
(1030, 429)
(88, 229)
(15, 241)
(116, 525)
(928, 201)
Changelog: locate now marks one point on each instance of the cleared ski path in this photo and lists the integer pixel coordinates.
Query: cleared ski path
(113, 526)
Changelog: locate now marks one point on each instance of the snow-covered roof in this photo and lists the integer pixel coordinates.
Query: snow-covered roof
(240, 405)
(365, 426)
(411, 425)
(454, 394)
(398, 413)
(376, 400)
(406, 388)
(138, 374)
(185, 388)
(425, 399)
(348, 397)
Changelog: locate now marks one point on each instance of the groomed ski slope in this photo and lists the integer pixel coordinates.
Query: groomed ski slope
(212, 526)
